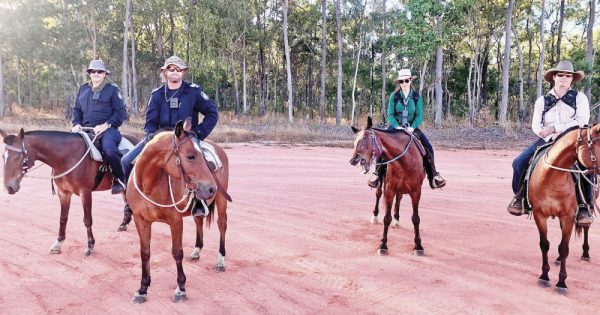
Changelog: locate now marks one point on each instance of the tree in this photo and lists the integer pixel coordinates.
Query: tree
(589, 56)
(323, 59)
(287, 61)
(506, 65)
(338, 17)
(540, 76)
(124, 76)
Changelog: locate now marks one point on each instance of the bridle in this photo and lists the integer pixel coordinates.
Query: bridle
(377, 150)
(25, 162)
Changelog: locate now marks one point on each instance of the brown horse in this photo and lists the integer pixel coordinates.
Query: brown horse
(552, 192)
(404, 175)
(169, 173)
(61, 151)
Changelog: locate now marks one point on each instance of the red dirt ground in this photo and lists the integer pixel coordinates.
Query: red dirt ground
(300, 241)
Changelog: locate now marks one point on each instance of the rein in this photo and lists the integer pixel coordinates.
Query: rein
(375, 156)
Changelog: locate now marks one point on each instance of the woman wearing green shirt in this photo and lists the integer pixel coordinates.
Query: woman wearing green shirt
(405, 111)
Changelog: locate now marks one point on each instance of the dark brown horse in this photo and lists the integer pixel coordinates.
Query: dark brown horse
(169, 174)
(62, 151)
(404, 175)
(552, 192)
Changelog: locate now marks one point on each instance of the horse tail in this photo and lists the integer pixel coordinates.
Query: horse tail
(209, 217)
(578, 229)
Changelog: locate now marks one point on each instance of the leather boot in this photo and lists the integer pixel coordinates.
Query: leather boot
(117, 186)
(516, 205)
(583, 215)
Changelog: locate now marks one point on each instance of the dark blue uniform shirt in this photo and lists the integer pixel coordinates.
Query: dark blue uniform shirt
(190, 100)
(108, 107)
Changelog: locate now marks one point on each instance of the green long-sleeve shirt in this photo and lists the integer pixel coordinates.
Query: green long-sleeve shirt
(415, 112)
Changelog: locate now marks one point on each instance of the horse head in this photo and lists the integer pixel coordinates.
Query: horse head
(588, 148)
(189, 162)
(364, 147)
(16, 160)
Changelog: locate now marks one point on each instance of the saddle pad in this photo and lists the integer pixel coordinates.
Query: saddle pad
(210, 155)
(94, 152)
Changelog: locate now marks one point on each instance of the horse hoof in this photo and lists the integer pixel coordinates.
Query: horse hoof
(195, 255)
(179, 296)
(88, 252)
(138, 298)
(55, 251)
(374, 220)
(557, 262)
(544, 283)
(561, 291)
(220, 268)
(586, 258)
(419, 252)
(382, 252)
(122, 228)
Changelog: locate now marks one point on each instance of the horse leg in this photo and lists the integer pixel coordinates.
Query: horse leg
(557, 261)
(144, 232)
(563, 249)
(378, 193)
(387, 219)
(65, 204)
(416, 220)
(177, 251)
(86, 200)
(221, 204)
(542, 225)
(195, 255)
(396, 222)
(126, 215)
(586, 247)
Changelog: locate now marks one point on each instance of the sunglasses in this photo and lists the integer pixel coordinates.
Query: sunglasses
(404, 81)
(560, 75)
(96, 71)
(174, 70)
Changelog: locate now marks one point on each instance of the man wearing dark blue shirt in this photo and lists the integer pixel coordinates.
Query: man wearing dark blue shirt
(100, 105)
(174, 101)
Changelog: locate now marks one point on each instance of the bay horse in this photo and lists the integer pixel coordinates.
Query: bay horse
(551, 191)
(170, 172)
(405, 172)
(75, 174)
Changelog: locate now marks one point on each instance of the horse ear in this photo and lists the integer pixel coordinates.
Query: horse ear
(187, 125)
(21, 133)
(3, 133)
(369, 122)
(354, 129)
(179, 129)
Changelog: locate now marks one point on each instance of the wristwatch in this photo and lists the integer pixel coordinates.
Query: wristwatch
(108, 124)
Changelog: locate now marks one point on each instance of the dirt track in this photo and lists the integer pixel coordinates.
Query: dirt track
(300, 241)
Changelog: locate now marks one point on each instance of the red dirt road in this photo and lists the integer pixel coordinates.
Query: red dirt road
(299, 241)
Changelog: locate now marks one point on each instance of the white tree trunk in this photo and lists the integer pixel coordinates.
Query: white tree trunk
(323, 59)
(1, 87)
(506, 64)
(540, 72)
(244, 92)
(439, 62)
(589, 55)
(338, 18)
(288, 62)
(124, 75)
(354, 82)
(383, 63)
(521, 99)
(134, 99)
(235, 82)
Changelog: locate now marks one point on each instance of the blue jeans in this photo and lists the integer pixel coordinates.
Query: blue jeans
(127, 160)
(110, 147)
(521, 162)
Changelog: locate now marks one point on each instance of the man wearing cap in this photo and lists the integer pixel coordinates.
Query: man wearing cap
(405, 111)
(99, 104)
(173, 101)
(556, 112)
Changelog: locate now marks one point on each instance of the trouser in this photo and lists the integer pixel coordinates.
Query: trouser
(127, 160)
(428, 161)
(109, 141)
(521, 162)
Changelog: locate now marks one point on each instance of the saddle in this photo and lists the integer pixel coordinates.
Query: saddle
(95, 154)
(210, 155)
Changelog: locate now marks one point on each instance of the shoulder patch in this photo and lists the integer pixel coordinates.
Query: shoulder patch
(115, 85)
(204, 96)
(119, 95)
(194, 85)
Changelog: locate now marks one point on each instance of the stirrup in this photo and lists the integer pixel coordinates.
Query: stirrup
(515, 207)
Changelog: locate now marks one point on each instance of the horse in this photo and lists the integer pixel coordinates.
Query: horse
(65, 153)
(405, 172)
(170, 173)
(551, 192)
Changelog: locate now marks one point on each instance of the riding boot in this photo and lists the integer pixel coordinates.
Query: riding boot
(374, 183)
(583, 215)
(117, 186)
(585, 200)
(434, 178)
(516, 204)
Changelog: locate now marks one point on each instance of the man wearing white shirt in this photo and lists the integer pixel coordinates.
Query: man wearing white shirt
(562, 108)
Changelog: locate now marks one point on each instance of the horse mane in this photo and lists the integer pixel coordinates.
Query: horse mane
(53, 133)
(388, 130)
(566, 132)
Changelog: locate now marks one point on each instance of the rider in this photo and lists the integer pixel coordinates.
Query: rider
(100, 105)
(554, 113)
(405, 111)
(173, 101)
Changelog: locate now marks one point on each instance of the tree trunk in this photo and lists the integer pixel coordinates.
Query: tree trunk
(338, 18)
(159, 38)
(439, 59)
(521, 99)
(529, 58)
(288, 62)
(124, 75)
(506, 65)
(323, 59)
(354, 81)
(244, 92)
(383, 59)
(188, 29)
(18, 70)
(560, 26)
(134, 99)
(29, 82)
(1, 87)
(589, 55)
(540, 72)
(235, 82)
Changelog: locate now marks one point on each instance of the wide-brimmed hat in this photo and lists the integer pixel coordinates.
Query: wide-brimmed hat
(97, 65)
(174, 60)
(564, 66)
(404, 74)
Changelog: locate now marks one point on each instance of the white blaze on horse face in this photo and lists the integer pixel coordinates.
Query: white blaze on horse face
(359, 137)
(5, 156)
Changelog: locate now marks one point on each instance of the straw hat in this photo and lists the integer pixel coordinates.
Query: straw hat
(404, 74)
